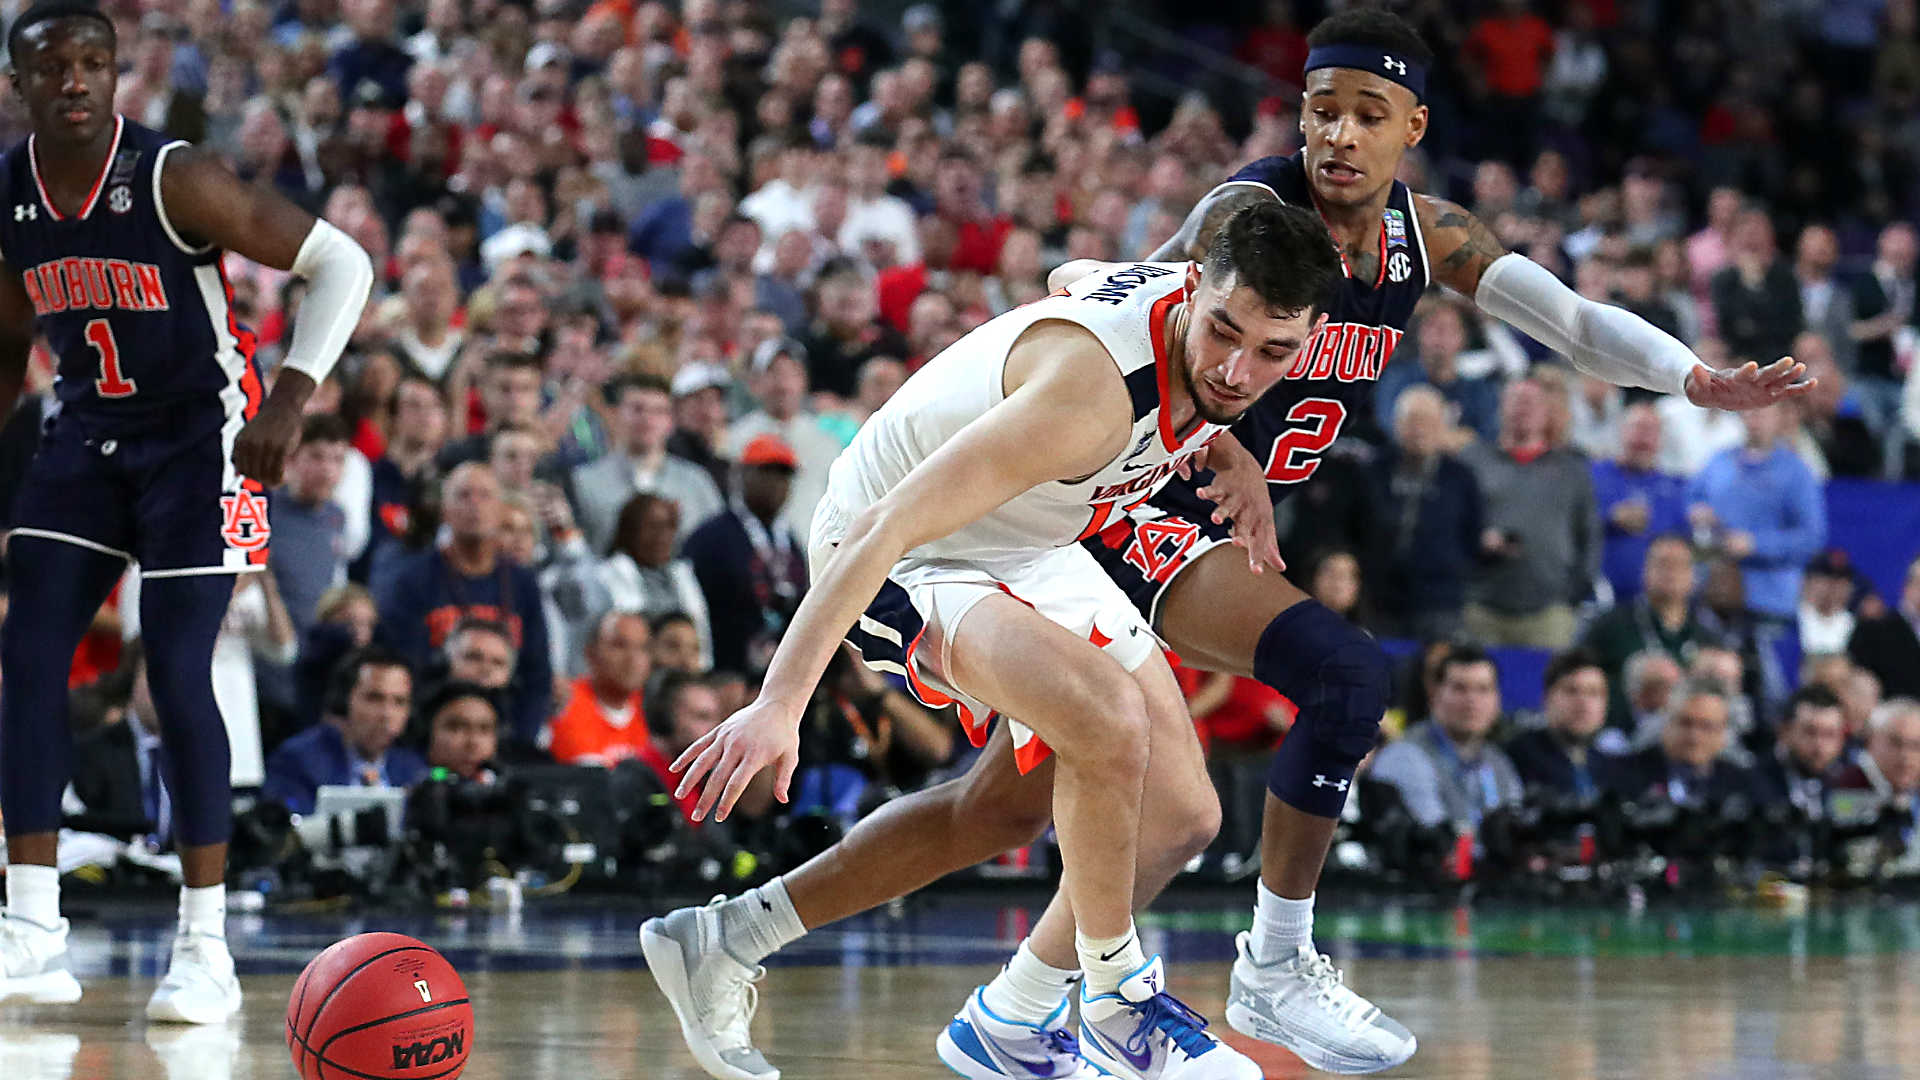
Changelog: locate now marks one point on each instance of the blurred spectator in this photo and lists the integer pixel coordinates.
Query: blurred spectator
(602, 722)
(1508, 49)
(1333, 578)
(1883, 300)
(1888, 645)
(1444, 768)
(1559, 757)
(462, 730)
(1825, 618)
(641, 574)
(1859, 697)
(1826, 304)
(510, 395)
(308, 526)
(1760, 506)
(784, 203)
(778, 372)
(846, 333)
(664, 230)
(1728, 666)
(1891, 766)
(1429, 512)
(118, 771)
(405, 478)
(879, 229)
(1441, 335)
(1650, 679)
(700, 417)
(1806, 759)
(1756, 299)
(1685, 766)
(640, 461)
(345, 621)
(426, 333)
(1637, 501)
(427, 594)
(860, 731)
(898, 286)
(1540, 542)
(751, 565)
(1240, 722)
(1663, 618)
(1833, 436)
(480, 651)
(676, 644)
(371, 57)
(356, 746)
(1711, 249)
(959, 197)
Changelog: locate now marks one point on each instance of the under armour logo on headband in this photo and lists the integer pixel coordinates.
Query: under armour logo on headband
(1398, 66)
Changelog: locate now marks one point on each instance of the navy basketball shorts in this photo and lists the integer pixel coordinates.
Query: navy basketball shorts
(1144, 551)
(166, 497)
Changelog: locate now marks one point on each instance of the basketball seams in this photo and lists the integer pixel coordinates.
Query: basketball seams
(348, 977)
(435, 1007)
(322, 1063)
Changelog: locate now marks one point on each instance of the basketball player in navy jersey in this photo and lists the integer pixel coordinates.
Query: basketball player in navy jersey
(111, 241)
(1227, 611)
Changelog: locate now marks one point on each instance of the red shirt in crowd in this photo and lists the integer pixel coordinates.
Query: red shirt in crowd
(1513, 51)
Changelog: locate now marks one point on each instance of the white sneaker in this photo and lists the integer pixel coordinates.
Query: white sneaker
(199, 1052)
(1303, 1004)
(200, 987)
(39, 1055)
(712, 993)
(1141, 1032)
(33, 962)
(981, 1046)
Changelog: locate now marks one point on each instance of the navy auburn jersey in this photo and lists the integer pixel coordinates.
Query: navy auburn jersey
(1331, 383)
(139, 317)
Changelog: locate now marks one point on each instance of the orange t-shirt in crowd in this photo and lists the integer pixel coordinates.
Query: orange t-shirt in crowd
(1513, 52)
(583, 734)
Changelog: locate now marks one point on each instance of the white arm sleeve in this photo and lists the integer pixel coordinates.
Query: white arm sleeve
(339, 276)
(1602, 340)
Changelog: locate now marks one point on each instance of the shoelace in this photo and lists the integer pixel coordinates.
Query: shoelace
(1061, 1042)
(14, 953)
(733, 1009)
(198, 968)
(1329, 986)
(1167, 1014)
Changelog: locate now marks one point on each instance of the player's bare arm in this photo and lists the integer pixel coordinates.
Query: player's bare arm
(1206, 218)
(16, 338)
(208, 204)
(1065, 415)
(1602, 340)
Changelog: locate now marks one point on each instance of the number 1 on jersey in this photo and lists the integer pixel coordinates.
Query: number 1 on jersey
(111, 383)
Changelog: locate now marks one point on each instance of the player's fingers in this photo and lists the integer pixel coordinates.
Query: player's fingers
(743, 775)
(788, 763)
(717, 783)
(692, 751)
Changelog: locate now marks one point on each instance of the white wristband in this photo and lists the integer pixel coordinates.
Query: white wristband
(339, 277)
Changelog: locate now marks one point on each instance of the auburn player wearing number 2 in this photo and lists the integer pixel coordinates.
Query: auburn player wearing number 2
(111, 243)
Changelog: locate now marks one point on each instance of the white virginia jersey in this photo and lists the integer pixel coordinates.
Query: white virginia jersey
(1126, 307)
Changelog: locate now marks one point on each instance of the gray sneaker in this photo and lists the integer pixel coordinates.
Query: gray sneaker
(712, 993)
(1303, 1004)
(33, 962)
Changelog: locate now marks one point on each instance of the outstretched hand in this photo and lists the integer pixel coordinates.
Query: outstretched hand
(1239, 495)
(1748, 386)
(731, 755)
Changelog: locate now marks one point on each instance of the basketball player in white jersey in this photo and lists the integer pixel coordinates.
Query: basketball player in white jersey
(947, 542)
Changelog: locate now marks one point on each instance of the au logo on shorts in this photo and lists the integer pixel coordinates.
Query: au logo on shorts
(244, 521)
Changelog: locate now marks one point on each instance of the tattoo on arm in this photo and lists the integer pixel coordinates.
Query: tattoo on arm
(1461, 245)
(1205, 220)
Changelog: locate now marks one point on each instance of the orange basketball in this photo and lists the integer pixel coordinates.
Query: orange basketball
(380, 1006)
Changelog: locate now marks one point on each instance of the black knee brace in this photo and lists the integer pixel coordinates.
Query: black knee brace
(1337, 677)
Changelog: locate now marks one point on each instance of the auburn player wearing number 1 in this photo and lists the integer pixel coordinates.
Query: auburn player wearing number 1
(111, 241)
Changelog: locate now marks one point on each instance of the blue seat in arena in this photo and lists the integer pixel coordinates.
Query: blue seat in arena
(833, 790)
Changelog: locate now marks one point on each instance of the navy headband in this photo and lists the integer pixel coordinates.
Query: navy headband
(1377, 59)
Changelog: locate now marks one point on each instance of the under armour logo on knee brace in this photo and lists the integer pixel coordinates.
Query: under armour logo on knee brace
(1320, 780)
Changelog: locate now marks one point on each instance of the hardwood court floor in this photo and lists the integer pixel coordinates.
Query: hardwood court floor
(1489, 997)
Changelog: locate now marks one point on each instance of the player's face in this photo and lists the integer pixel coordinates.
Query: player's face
(66, 77)
(1356, 126)
(1237, 347)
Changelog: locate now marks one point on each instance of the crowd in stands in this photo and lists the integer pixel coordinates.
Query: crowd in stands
(643, 269)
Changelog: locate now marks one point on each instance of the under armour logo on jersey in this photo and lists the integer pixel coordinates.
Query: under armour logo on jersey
(1399, 267)
(1320, 780)
(1398, 67)
(26, 212)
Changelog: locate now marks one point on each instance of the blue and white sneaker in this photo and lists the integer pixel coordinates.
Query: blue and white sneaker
(1141, 1032)
(981, 1046)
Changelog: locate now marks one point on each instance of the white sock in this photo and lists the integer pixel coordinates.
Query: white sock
(760, 922)
(1028, 989)
(204, 911)
(1108, 961)
(1280, 926)
(33, 893)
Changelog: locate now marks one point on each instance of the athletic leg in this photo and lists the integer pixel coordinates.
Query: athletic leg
(183, 615)
(56, 589)
(1219, 616)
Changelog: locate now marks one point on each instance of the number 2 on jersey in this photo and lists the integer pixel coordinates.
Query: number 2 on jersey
(1326, 415)
(111, 383)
